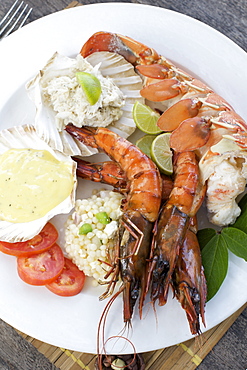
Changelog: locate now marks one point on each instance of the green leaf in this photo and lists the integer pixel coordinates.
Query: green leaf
(241, 222)
(215, 262)
(236, 241)
(204, 236)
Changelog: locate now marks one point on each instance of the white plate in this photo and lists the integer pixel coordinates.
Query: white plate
(72, 322)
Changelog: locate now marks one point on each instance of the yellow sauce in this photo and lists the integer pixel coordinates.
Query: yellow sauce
(32, 182)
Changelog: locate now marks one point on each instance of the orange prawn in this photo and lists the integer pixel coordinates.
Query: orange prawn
(188, 279)
(173, 223)
(140, 210)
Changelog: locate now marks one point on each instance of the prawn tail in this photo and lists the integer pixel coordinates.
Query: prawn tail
(84, 134)
(109, 173)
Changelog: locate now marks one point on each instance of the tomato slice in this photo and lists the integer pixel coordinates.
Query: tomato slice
(39, 243)
(42, 268)
(70, 282)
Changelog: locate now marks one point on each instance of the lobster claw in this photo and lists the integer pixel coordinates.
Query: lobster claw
(161, 90)
(155, 70)
(133, 51)
(177, 113)
(191, 134)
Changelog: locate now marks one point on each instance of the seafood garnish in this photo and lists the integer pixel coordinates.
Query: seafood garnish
(25, 137)
(59, 99)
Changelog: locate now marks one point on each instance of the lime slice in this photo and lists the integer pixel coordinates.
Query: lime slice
(144, 143)
(161, 153)
(146, 119)
(90, 85)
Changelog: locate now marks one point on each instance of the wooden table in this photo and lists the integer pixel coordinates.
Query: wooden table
(223, 347)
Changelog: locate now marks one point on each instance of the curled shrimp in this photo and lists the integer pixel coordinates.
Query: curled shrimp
(140, 210)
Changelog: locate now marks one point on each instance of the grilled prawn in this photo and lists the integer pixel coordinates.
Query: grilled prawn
(140, 211)
(187, 277)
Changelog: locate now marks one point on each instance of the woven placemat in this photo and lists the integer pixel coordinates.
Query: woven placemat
(187, 355)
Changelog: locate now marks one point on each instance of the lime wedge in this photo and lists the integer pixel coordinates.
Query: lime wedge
(146, 118)
(144, 143)
(161, 153)
(90, 85)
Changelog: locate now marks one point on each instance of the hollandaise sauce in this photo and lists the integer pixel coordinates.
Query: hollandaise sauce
(32, 182)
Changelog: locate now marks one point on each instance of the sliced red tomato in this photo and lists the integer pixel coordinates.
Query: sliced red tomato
(42, 268)
(39, 243)
(70, 282)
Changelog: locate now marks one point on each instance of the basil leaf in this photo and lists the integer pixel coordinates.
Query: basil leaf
(236, 241)
(215, 262)
(241, 222)
(204, 236)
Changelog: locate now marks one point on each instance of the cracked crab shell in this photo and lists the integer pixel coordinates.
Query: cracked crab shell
(25, 137)
(111, 66)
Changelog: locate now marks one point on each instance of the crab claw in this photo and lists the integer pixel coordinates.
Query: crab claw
(191, 134)
(177, 113)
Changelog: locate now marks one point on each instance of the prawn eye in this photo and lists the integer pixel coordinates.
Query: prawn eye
(196, 296)
(161, 270)
(134, 294)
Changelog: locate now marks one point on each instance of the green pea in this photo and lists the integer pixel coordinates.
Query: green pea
(85, 228)
(103, 218)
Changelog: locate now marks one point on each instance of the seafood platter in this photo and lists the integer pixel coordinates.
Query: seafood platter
(122, 230)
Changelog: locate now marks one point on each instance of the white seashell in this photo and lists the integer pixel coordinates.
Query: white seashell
(19, 137)
(50, 125)
(123, 74)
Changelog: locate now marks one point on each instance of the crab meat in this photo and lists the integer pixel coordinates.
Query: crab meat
(59, 98)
